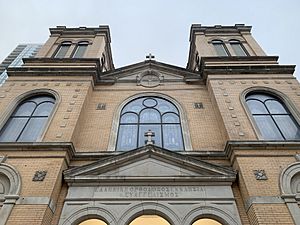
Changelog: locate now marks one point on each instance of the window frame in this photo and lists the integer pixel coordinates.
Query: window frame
(287, 104)
(161, 124)
(87, 43)
(231, 42)
(182, 115)
(14, 104)
(215, 42)
(59, 47)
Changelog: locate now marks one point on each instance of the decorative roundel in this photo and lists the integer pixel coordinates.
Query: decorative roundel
(150, 80)
(150, 102)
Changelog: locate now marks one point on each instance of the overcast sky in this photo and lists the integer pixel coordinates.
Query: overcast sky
(157, 26)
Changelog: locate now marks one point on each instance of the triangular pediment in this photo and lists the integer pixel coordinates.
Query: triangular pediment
(149, 163)
(165, 71)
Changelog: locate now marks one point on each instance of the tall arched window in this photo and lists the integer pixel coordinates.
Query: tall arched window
(62, 49)
(80, 49)
(220, 48)
(272, 117)
(150, 113)
(28, 121)
(238, 48)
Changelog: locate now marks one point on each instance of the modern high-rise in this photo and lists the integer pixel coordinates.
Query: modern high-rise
(15, 58)
(83, 142)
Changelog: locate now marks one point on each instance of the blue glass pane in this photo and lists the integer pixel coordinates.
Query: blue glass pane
(257, 107)
(150, 116)
(261, 97)
(134, 106)
(39, 99)
(288, 127)
(127, 138)
(267, 128)
(129, 118)
(43, 109)
(165, 106)
(154, 128)
(149, 102)
(275, 107)
(170, 118)
(12, 129)
(25, 109)
(33, 129)
(172, 137)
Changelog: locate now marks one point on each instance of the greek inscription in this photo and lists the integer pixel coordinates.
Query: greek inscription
(150, 191)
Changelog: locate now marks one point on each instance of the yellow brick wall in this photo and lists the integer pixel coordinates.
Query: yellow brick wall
(268, 214)
(273, 167)
(29, 215)
(228, 100)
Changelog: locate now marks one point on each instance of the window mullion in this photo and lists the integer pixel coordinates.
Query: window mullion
(271, 115)
(29, 118)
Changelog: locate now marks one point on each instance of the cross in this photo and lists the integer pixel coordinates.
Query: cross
(149, 134)
(150, 56)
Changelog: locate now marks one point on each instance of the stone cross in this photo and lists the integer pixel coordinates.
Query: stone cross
(150, 56)
(149, 134)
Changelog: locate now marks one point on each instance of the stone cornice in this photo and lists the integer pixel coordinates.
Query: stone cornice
(60, 67)
(237, 28)
(63, 30)
(260, 148)
(67, 147)
(230, 65)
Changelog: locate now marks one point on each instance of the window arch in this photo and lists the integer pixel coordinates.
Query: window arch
(28, 120)
(149, 220)
(206, 221)
(150, 113)
(63, 49)
(220, 48)
(80, 49)
(93, 222)
(272, 117)
(238, 48)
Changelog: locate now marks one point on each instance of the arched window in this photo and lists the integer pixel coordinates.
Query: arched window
(62, 49)
(220, 48)
(206, 221)
(80, 49)
(28, 121)
(93, 222)
(272, 117)
(238, 48)
(149, 220)
(150, 113)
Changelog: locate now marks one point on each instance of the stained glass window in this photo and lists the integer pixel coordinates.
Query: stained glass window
(150, 113)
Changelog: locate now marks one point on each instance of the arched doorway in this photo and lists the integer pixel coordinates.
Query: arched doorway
(93, 222)
(149, 220)
(206, 221)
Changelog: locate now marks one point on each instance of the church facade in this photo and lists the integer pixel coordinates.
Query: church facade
(217, 142)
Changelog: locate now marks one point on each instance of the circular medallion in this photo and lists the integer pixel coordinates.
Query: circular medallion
(150, 80)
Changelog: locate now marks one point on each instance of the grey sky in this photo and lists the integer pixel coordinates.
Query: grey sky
(157, 26)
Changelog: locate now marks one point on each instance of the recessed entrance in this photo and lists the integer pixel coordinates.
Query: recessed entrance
(149, 220)
(93, 222)
(206, 222)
